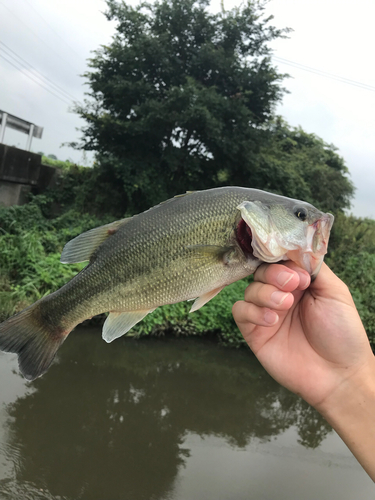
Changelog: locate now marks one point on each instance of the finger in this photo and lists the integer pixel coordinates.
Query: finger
(287, 276)
(304, 276)
(328, 285)
(264, 295)
(257, 324)
(248, 316)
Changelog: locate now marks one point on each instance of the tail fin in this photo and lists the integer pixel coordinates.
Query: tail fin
(33, 339)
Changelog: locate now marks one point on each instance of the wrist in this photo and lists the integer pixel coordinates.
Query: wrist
(350, 410)
(350, 392)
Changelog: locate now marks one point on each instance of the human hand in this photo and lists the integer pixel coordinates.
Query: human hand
(313, 340)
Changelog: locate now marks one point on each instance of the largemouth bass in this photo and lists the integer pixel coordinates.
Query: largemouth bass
(189, 247)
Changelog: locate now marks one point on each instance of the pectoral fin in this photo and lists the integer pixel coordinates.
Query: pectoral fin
(119, 323)
(203, 299)
(83, 246)
(212, 252)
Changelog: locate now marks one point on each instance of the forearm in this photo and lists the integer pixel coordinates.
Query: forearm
(351, 412)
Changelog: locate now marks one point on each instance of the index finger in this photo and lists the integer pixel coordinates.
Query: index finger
(287, 277)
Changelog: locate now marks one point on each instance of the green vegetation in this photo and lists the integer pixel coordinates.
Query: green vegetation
(352, 258)
(52, 161)
(30, 247)
(182, 100)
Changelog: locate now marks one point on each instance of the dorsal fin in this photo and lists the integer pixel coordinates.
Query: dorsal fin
(174, 197)
(83, 246)
(183, 194)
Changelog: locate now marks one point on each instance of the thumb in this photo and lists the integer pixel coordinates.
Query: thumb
(328, 285)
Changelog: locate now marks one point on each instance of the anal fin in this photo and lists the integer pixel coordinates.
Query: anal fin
(119, 323)
(203, 299)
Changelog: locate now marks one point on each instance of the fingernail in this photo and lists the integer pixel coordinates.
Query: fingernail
(304, 280)
(284, 277)
(279, 297)
(271, 317)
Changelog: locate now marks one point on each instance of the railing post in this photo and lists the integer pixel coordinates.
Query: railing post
(31, 133)
(3, 125)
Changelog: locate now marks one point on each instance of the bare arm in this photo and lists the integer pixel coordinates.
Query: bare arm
(312, 341)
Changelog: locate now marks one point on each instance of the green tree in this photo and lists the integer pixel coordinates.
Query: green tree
(180, 99)
(301, 165)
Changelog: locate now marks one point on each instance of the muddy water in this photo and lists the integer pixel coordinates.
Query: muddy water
(164, 420)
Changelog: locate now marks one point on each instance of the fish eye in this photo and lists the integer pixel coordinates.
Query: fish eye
(300, 213)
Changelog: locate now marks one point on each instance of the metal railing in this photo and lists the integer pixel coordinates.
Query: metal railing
(11, 121)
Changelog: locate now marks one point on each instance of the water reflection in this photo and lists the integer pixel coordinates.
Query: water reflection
(109, 421)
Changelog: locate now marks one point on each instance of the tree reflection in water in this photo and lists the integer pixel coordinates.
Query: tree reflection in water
(109, 421)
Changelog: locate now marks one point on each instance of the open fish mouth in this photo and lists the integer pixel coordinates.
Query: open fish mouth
(318, 235)
(312, 255)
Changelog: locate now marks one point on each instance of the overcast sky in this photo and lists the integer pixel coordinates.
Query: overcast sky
(331, 37)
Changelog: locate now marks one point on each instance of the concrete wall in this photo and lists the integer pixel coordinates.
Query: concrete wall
(18, 165)
(20, 172)
(13, 194)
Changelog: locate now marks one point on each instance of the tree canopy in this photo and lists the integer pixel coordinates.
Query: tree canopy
(303, 166)
(184, 99)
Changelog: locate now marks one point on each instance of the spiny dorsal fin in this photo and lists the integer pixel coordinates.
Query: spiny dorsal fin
(83, 246)
(174, 197)
(183, 194)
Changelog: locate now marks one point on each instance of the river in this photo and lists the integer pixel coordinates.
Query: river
(164, 419)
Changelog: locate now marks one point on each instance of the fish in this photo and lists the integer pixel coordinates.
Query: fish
(187, 248)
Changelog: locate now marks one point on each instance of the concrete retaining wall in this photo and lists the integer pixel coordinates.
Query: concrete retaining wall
(20, 172)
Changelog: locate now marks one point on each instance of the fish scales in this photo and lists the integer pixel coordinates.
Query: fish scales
(132, 260)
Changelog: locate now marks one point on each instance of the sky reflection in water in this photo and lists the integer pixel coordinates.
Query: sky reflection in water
(163, 419)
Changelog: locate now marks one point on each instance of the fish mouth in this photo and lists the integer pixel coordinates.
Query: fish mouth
(312, 255)
(318, 235)
(244, 237)
(261, 239)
